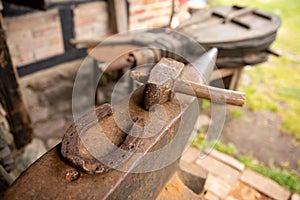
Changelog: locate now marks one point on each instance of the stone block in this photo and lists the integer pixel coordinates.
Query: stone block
(226, 159)
(295, 197)
(190, 155)
(210, 196)
(30, 97)
(38, 113)
(265, 185)
(58, 92)
(244, 191)
(219, 169)
(217, 186)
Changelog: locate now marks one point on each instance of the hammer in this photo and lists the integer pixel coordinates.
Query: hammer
(166, 78)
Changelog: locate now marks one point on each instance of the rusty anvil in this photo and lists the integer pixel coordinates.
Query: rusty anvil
(80, 167)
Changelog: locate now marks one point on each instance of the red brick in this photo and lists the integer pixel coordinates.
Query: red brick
(14, 36)
(101, 29)
(136, 12)
(29, 45)
(25, 24)
(45, 30)
(56, 40)
(31, 20)
(102, 18)
(26, 57)
(90, 8)
(48, 51)
(145, 18)
(79, 21)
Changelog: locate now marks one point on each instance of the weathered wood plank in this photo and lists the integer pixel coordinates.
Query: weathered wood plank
(11, 97)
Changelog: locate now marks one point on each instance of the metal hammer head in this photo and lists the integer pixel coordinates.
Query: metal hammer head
(159, 87)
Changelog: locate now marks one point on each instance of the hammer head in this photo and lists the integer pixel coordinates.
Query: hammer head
(159, 87)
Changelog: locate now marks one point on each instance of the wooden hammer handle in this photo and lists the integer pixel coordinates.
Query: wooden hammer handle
(216, 95)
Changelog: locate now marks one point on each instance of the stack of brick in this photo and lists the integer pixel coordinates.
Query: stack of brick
(227, 178)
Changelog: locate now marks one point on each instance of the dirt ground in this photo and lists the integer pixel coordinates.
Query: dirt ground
(257, 134)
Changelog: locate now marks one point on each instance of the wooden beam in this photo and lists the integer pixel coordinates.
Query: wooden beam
(118, 15)
(11, 97)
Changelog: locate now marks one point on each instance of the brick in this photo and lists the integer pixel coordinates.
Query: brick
(102, 18)
(265, 185)
(88, 19)
(190, 155)
(48, 51)
(31, 20)
(26, 57)
(146, 18)
(100, 30)
(226, 159)
(219, 169)
(30, 45)
(90, 8)
(210, 196)
(295, 197)
(19, 24)
(193, 169)
(217, 186)
(244, 191)
(45, 30)
(83, 30)
(13, 36)
(56, 40)
(137, 11)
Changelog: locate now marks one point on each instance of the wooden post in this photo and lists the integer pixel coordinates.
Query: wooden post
(11, 97)
(118, 15)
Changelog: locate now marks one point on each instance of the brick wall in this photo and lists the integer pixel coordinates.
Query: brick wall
(38, 35)
(91, 20)
(34, 36)
(149, 13)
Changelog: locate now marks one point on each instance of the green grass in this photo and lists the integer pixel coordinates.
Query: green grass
(284, 177)
(236, 113)
(275, 85)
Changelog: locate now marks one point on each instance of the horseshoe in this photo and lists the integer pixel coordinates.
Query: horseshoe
(71, 149)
